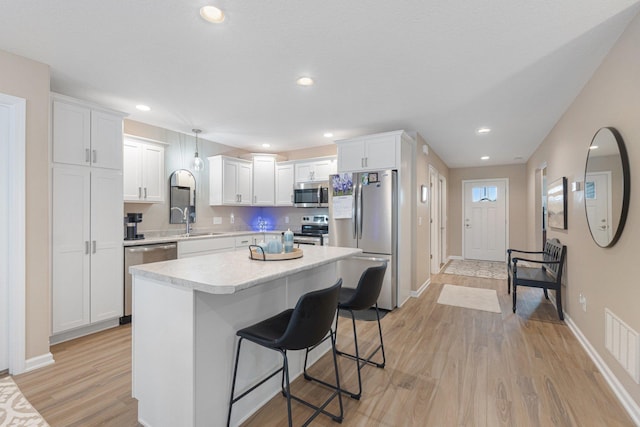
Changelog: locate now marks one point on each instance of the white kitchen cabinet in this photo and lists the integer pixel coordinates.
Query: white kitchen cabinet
(87, 253)
(315, 169)
(84, 135)
(284, 184)
(143, 171)
(230, 181)
(371, 152)
(264, 180)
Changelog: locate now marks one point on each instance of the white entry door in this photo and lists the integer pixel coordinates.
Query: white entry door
(484, 222)
(597, 199)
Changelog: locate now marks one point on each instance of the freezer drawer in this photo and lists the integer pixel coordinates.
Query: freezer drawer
(352, 268)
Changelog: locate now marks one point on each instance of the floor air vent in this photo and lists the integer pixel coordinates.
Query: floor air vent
(622, 343)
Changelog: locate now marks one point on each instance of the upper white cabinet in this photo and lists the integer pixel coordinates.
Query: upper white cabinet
(84, 135)
(264, 180)
(315, 169)
(284, 184)
(143, 171)
(371, 152)
(230, 181)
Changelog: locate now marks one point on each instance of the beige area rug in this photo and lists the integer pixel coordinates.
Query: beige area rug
(475, 298)
(15, 409)
(484, 269)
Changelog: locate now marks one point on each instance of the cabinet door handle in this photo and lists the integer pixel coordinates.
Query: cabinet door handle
(86, 247)
(139, 192)
(95, 156)
(366, 162)
(93, 247)
(145, 192)
(362, 162)
(255, 199)
(292, 198)
(87, 155)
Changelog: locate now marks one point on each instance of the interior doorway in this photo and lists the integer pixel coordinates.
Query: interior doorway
(442, 218)
(434, 219)
(12, 233)
(485, 222)
(541, 207)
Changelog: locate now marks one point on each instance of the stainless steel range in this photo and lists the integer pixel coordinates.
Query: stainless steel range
(315, 231)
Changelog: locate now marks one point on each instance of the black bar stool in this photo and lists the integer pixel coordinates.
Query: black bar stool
(363, 297)
(300, 328)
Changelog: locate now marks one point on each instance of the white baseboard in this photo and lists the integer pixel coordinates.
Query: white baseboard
(84, 330)
(38, 362)
(425, 285)
(623, 396)
(454, 257)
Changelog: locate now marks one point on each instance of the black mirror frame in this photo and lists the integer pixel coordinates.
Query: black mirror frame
(626, 181)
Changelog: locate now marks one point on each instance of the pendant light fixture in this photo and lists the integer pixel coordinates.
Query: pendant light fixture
(197, 162)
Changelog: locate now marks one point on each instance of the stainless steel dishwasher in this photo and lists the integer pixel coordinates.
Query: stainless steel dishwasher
(143, 254)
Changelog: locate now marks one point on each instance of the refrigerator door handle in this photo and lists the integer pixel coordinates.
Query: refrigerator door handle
(360, 213)
(354, 211)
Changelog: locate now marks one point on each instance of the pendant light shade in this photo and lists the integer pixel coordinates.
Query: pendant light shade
(197, 164)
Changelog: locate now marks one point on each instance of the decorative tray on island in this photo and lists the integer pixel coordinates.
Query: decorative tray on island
(258, 253)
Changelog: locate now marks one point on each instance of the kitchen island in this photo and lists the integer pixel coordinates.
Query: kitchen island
(185, 316)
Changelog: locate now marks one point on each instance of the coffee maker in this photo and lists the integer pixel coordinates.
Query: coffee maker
(131, 226)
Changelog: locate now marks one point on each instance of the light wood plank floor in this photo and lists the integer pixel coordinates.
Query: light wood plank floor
(446, 366)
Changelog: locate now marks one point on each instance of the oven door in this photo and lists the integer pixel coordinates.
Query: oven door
(307, 240)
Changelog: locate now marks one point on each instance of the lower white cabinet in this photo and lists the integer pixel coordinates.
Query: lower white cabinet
(87, 253)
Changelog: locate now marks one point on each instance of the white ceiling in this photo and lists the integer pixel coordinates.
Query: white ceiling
(441, 68)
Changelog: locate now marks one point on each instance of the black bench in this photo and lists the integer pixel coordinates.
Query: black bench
(548, 275)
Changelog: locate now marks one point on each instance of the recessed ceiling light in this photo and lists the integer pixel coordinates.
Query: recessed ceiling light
(212, 14)
(265, 145)
(483, 130)
(328, 135)
(484, 158)
(304, 81)
(143, 107)
(593, 147)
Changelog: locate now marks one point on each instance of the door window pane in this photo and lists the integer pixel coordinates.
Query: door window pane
(484, 194)
(590, 190)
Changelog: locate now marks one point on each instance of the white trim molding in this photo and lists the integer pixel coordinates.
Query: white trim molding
(621, 393)
(17, 233)
(39, 362)
(425, 285)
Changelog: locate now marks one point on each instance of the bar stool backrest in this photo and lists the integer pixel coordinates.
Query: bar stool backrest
(311, 319)
(368, 289)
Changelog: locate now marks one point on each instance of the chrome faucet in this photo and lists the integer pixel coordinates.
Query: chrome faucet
(185, 218)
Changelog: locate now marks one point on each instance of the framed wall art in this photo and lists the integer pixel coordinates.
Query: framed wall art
(557, 203)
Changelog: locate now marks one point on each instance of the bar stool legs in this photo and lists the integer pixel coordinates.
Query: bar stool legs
(286, 386)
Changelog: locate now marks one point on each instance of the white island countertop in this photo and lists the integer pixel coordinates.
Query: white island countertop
(230, 272)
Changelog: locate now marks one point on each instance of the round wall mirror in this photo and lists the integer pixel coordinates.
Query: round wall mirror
(182, 197)
(606, 187)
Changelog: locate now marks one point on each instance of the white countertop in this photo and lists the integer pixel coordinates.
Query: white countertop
(180, 237)
(230, 272)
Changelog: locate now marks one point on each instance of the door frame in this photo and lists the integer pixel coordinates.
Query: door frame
(434, 225)
(506, 209)
(442, 199)
(16, 274)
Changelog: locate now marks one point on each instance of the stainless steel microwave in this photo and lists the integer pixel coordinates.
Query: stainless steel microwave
(311, 194)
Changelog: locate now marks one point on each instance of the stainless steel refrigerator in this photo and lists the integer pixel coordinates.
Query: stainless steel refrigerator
(369, 223)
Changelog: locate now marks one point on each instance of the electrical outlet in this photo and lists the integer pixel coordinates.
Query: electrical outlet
(583, 302)
(232, 219)
(217, 220)
(419, 220)
(286, 220)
